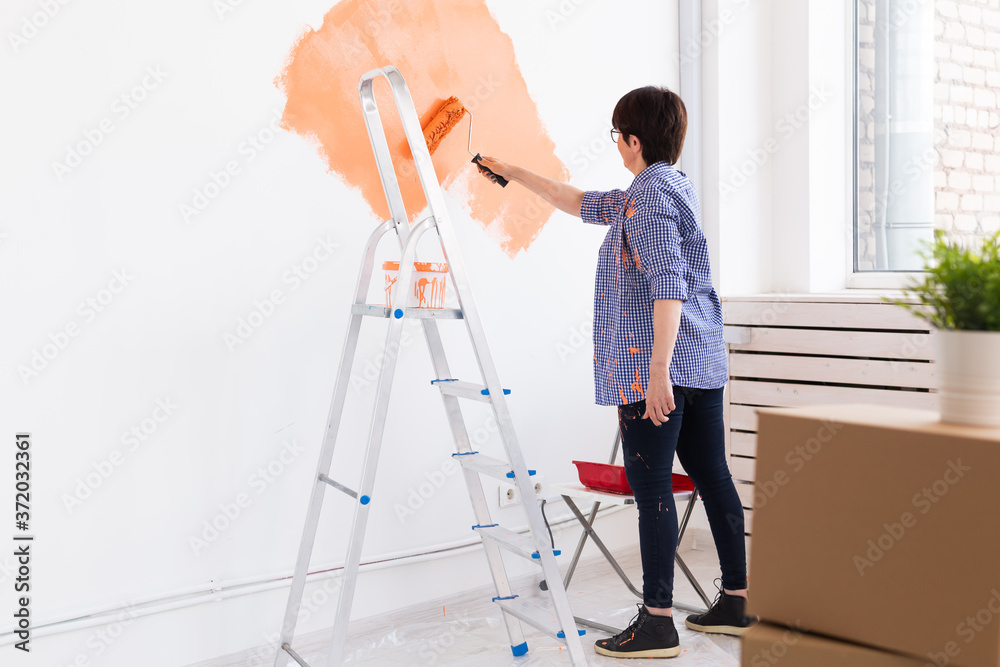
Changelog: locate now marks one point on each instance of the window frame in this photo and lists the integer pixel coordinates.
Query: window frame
(885, 280)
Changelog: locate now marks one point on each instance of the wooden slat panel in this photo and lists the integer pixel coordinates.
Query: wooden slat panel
(915, 374)
(747, 521)
(727, 419)
(779, 313)
(881, 344)
(781, 394)
(742, 468)
(744, 444)
(745, 492)
(743, 417)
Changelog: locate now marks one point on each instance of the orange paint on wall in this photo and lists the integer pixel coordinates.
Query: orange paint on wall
(442, 48)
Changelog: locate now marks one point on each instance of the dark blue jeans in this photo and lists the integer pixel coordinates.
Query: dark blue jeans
(697, 433)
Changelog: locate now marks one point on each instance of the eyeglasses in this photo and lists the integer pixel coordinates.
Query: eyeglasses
(614, 135)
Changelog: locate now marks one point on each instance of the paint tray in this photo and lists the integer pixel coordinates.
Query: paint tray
(603, 477)
(611, 478)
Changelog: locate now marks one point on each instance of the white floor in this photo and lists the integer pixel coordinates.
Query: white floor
(467, 629)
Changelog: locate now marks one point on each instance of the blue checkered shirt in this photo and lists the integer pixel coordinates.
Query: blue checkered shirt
(654, 249)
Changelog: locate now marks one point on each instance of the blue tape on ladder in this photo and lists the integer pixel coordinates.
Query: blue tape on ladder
(486, 392)
(492, 525)
(509, 597)
(555, 552)
(562, 635)
(530, 473)
(519, 650)
(398, 313)
(464, 453)
(445, 380)
(365, 500)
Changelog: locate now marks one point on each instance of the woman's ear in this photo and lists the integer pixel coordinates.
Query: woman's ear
(634, 144)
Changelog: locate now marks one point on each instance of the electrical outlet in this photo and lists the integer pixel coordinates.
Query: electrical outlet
(539, 485)
(508, 495)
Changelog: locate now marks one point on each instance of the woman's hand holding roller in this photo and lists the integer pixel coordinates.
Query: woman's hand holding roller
(563, 196)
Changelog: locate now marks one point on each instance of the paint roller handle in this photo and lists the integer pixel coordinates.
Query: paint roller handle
(496, 177)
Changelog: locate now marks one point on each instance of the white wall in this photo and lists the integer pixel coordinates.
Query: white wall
(777, 143)
(168, 291)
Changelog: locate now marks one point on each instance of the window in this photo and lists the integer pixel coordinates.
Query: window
(926, 127)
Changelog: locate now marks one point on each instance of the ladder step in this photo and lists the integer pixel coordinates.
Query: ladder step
(487, 465)
(337, 485)
(476, 392)
(520, 544)
(371, 310)
(535, 616)
(286, 647)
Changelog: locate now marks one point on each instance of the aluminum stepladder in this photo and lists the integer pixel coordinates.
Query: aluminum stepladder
(557, 622)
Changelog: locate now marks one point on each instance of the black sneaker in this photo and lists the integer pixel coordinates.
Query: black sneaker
(727, 616)
(647, 636)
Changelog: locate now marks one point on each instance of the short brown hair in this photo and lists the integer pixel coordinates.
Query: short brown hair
(658, 117)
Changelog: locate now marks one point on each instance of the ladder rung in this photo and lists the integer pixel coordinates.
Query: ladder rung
(522, 545)
(295, 656)
(535, 616)
(337, 485)
(476, 392)
(371, 310)
(487, 465)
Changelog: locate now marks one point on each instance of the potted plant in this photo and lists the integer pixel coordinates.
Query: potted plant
(960, 297)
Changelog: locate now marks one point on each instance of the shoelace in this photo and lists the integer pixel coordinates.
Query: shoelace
(718, 598)
(630, 630)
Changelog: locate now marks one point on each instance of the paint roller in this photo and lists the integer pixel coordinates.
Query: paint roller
(447, 117)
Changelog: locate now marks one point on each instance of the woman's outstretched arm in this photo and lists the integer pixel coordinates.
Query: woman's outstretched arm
(561, 195)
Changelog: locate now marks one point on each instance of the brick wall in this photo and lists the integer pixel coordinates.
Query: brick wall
(967, 175)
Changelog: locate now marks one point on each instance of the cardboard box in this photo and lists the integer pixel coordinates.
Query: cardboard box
(879, 526)
(768, 645)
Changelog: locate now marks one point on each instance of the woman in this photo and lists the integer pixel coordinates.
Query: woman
(660, 357)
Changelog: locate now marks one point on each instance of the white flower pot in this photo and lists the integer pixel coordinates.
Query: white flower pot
(968, 370)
